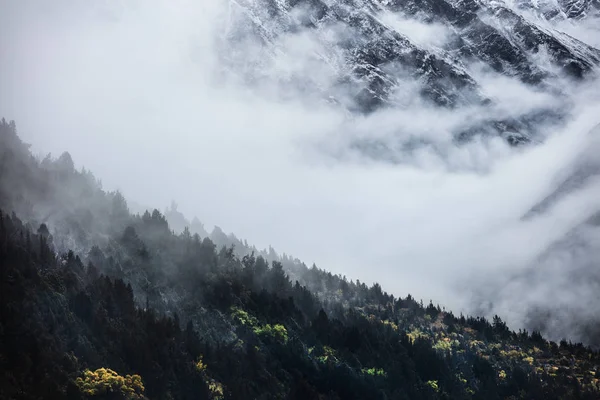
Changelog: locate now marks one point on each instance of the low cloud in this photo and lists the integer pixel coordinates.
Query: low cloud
(431, 35)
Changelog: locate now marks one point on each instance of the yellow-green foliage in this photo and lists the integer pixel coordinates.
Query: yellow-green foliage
(517, 355)
(200, 365)
(243, 317)
(442, 345)
(415, 334)
(216, 389)
(528, 360)
(327, 355)
(502, 374)
(104, 381)
(535, 351)
(276, 331)
(391, 324)
(433, 385)
(446, 344)
(374, 371)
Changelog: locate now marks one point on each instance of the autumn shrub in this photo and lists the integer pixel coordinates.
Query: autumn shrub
(104, 381)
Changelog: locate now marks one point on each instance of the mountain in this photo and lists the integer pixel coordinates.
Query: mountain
(561, 10)
(102, 298)
(98, 303)
(372, 55)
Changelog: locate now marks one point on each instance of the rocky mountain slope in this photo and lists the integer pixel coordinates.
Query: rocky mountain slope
(369, 55)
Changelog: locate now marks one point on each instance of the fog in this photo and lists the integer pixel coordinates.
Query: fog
(139, 93)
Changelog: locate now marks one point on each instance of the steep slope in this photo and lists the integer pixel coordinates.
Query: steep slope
(367, 54)
(562, 9)
(145, 312)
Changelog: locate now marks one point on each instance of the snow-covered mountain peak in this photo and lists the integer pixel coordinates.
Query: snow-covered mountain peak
(372, 55)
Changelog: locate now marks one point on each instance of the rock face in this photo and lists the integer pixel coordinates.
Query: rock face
(563, 9)
(369, 54)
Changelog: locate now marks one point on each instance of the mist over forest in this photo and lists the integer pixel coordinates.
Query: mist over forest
(248, 164)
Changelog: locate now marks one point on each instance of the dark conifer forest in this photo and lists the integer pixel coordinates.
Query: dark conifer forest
(100, 303)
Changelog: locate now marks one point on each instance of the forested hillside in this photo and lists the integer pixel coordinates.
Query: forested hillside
(98, 303)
